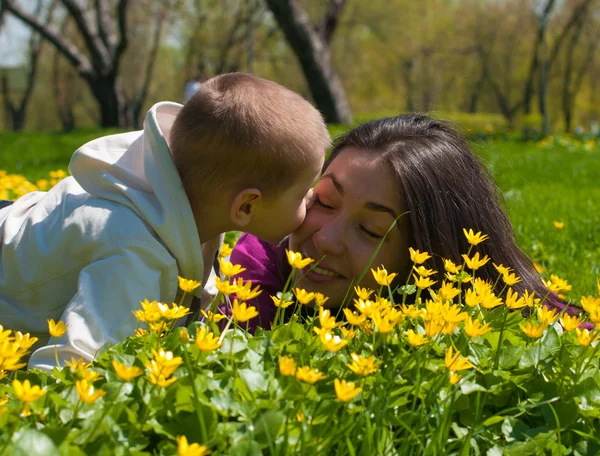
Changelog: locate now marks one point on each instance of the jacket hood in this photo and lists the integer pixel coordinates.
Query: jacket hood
(136, 169)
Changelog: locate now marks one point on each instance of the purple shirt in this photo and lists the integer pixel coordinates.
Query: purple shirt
(266, 265)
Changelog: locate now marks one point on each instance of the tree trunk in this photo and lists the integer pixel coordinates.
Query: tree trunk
(313, 50)
(98, 64)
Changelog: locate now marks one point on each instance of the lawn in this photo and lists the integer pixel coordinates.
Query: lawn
(543, 182)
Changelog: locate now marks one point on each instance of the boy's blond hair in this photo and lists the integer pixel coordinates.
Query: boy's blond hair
(240, 131)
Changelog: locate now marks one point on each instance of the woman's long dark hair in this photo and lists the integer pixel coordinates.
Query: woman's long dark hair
(445, 189)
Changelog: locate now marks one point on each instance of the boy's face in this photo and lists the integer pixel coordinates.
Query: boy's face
(284, 213)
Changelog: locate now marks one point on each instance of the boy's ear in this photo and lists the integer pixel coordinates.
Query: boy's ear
(243, 206)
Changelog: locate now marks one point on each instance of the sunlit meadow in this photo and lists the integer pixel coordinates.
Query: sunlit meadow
(440, 362)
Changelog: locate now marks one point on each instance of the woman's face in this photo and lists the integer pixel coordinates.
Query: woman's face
(355, 203)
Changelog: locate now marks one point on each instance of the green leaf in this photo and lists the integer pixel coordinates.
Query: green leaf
(493, 420)
(29, 442)
(268, 426)
(256, 381)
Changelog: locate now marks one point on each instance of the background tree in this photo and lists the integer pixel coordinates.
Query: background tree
(312, 46)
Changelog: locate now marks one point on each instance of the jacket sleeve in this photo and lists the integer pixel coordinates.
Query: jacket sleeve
(109, 290)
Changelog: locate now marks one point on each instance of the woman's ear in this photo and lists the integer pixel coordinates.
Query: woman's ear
(243, 206)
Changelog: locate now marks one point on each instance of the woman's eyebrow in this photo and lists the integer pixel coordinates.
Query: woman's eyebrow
(380, 208)
(370, 205)
(335, 182)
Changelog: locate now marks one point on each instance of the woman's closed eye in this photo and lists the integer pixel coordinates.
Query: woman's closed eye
(318, 202)
(370, 234)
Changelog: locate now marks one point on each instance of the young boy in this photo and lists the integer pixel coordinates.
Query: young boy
(143, 207)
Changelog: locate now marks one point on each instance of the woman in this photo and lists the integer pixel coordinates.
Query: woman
(409, 164)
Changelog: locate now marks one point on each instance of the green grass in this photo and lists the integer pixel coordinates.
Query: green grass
(539, 184)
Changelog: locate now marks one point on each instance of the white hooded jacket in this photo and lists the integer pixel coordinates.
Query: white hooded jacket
(118, 231)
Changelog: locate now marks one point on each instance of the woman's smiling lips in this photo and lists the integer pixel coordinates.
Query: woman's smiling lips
(321, 274)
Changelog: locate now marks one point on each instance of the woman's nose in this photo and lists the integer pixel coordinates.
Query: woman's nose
(330, 239)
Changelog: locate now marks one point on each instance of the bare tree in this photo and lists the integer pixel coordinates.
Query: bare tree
(105, 41)
(139, 97)
(312, 46)
(573, 77)
(18, 109)
(550, 55)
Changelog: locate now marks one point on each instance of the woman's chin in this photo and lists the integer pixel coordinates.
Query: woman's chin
(334, 288)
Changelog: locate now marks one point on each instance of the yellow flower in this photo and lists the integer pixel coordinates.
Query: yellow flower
(501, 269)
(556, 284)
(57, 329)
(490, 301)
(363, 366)
(188, 285)
(384, 322)
(569, 323)
(242, 312)
(538, 268)
(326, 320)
(225, 287)
(472, 299)
(214, 317)
(416, 339)
(590, 303)
(547, 316)
(513, 301)
(530, 299)
(308, 375)
(320, 299)
(126, 373)
(345, 391)
(453, 363)
(164, 363)
(418, 257)
(365, 307)
(423, 271)
(185, 449)
(585, 337)
(447, 292)
(150, 312)
(423, 282)
(382, 277)
(353, 318)
(559, 225)
(27, 393)
(184, 336)
(244, 290)
(228, 269)
(411, 311)
(363, 293)
(300, 416)
(534, 330)
(348, 333)
(175, 312)
(296, 261)
(89, 375)
(281, 302)
(303, 296)
(206, 341)
(474, 238)
(433, 325)
(287, 366)
(454, 378)
(475, 329)
(450, 267)
(225, 251)
(510, 279)
(87, 393)
(474, 262)
(161, 380)
(159, 327)
(331, 342)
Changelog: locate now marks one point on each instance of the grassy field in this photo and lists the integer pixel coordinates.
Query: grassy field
(553, 180)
